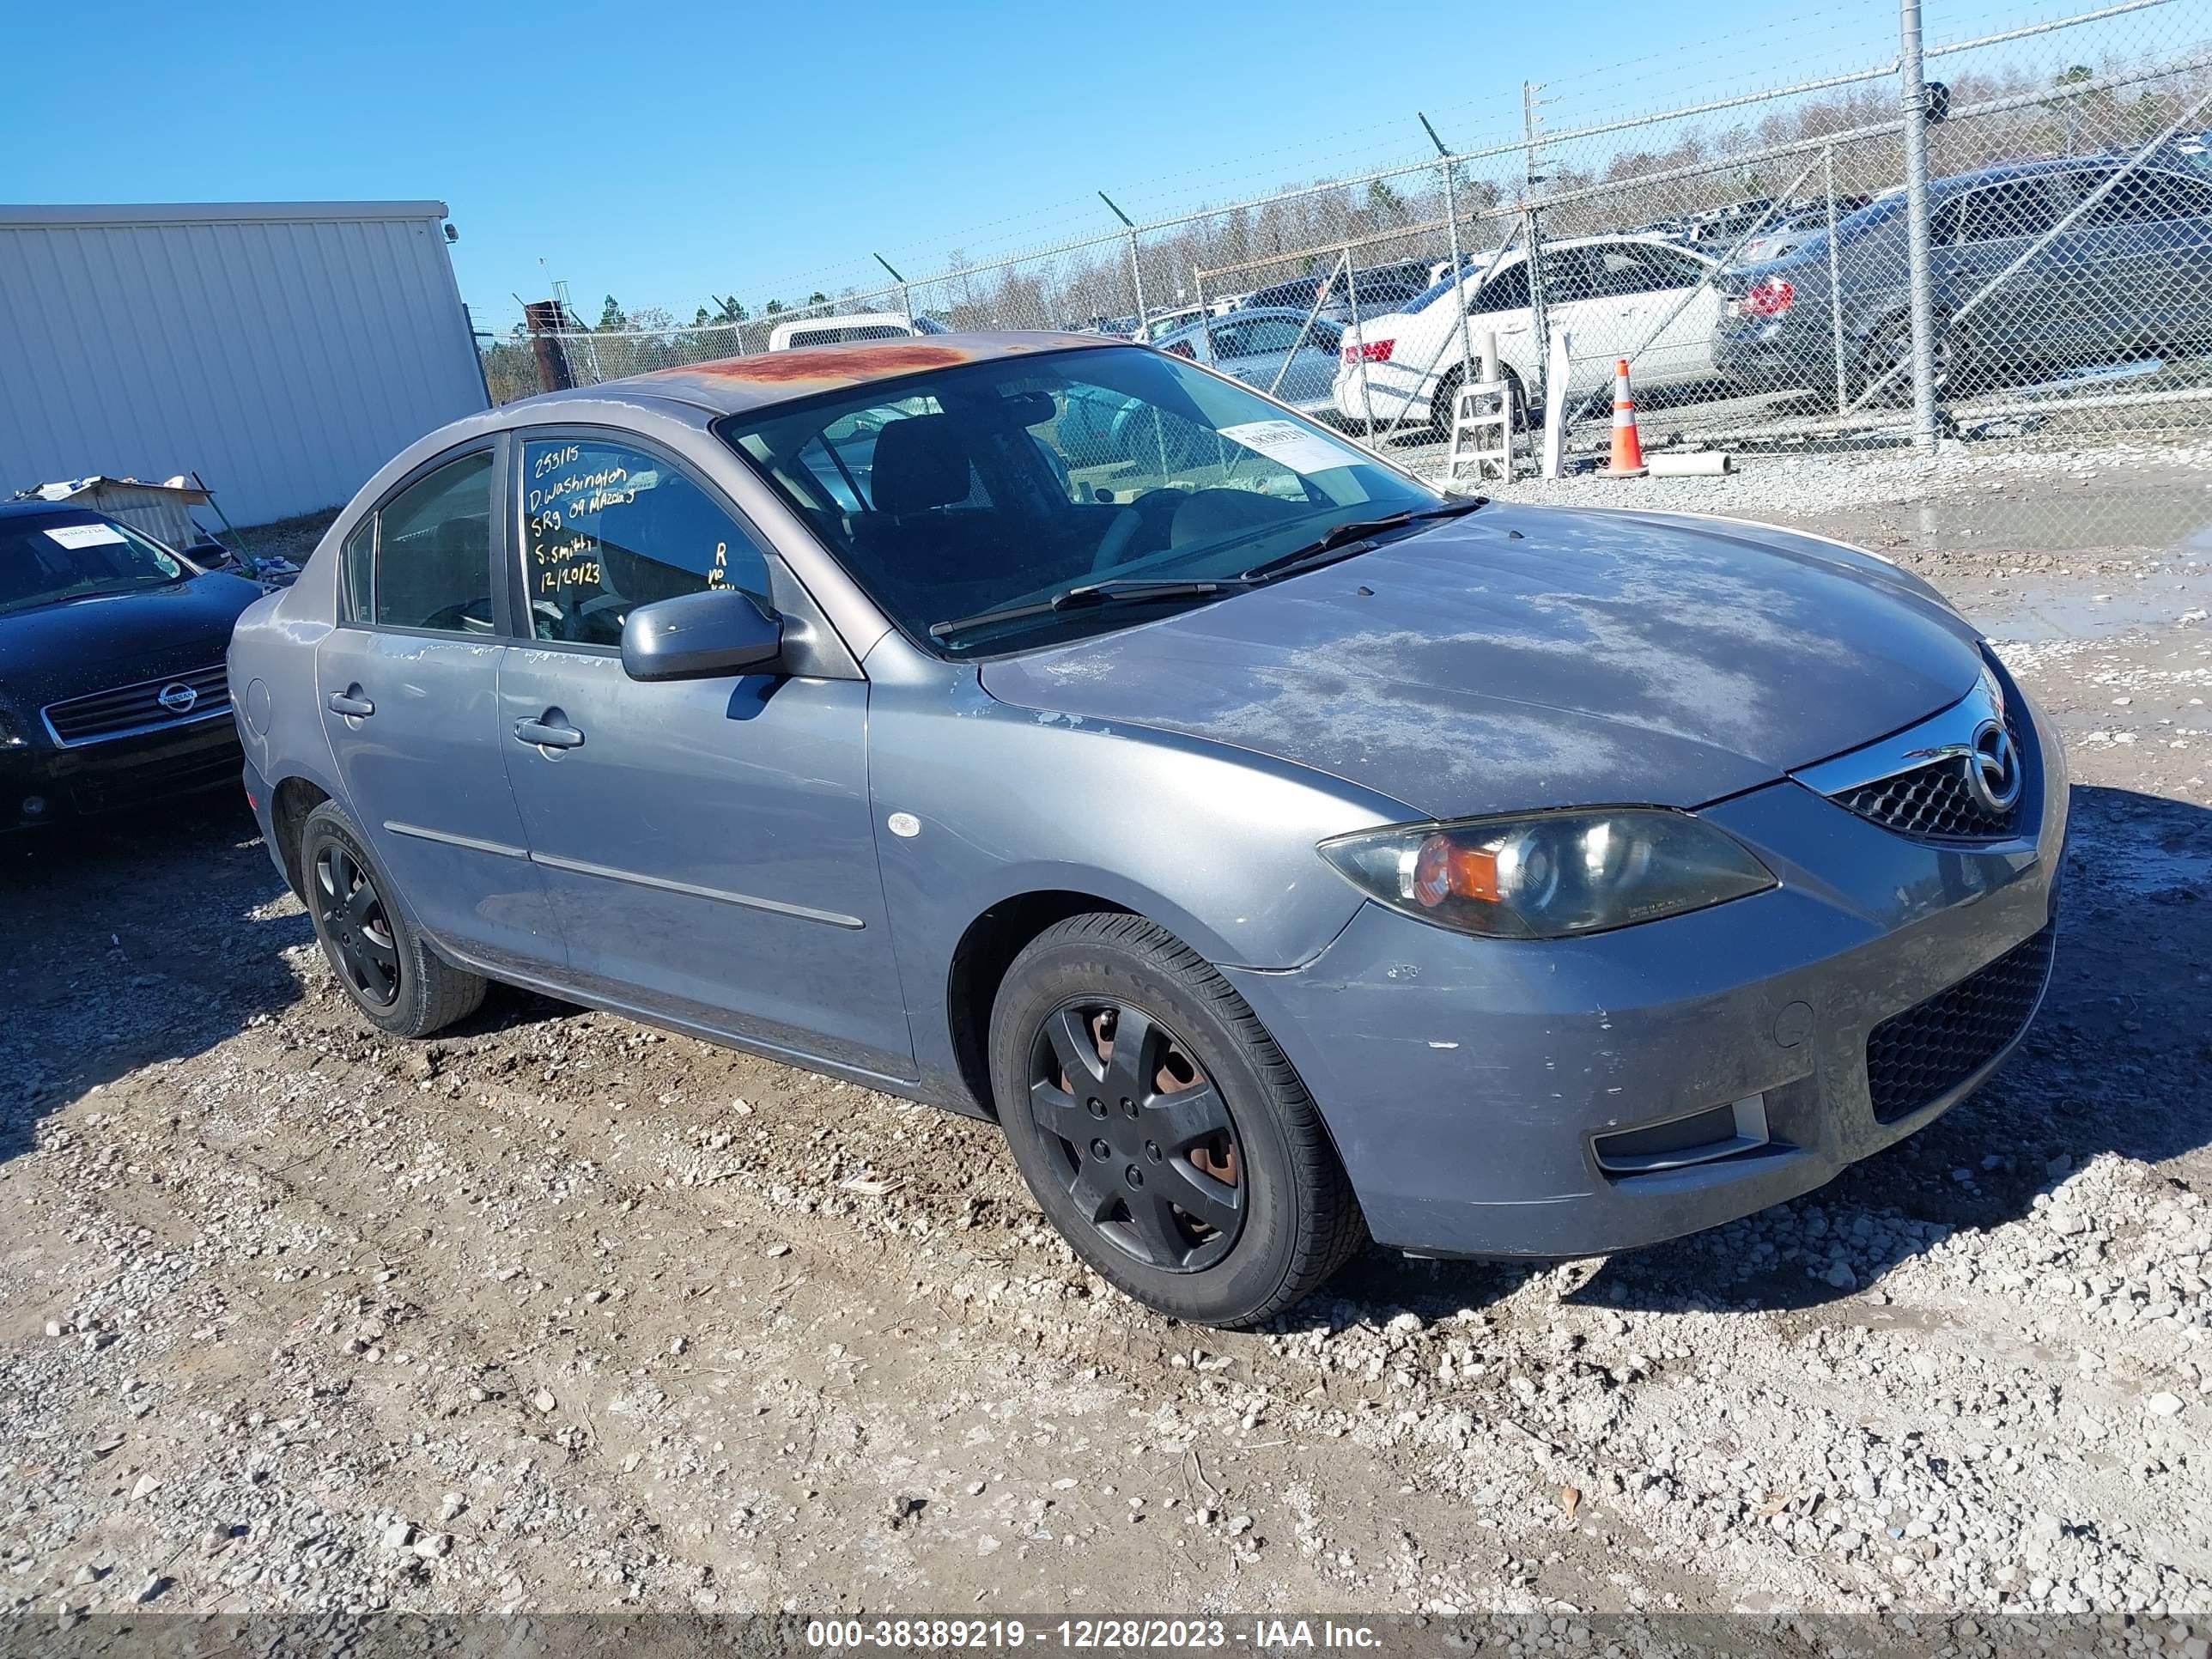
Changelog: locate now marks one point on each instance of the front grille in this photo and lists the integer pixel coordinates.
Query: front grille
(1931, 802)
(138, 706)
(1933, 1047)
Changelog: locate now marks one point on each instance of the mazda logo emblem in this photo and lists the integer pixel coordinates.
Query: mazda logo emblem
(178, 699)
(1993, 769)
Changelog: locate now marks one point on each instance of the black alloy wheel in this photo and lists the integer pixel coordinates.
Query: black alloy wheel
(1160, 1128)
(1146, 1146)
(356, 924)
(388, 971)
(1890, 347)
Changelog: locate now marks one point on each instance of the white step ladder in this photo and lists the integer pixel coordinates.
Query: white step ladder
(1481, 434)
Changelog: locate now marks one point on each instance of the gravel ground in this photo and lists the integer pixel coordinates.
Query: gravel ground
(562, 1313)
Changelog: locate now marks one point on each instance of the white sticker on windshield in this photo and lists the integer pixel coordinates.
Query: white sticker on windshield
(86, 535)
(1290, 445)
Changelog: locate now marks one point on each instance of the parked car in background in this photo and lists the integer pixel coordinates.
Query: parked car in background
(1380, 292)
(1273, 348)
(1612, 293)
(1161, 324)
(2128, 277)
(111, 687)
(848, 329)
(1280, 852)
(1784, 235)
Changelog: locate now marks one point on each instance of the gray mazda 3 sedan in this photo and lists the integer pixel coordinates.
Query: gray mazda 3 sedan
(1282, 852)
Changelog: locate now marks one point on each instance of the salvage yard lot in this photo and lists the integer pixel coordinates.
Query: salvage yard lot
(558, 1312)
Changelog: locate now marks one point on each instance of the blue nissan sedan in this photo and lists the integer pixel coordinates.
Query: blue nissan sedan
(1282, 852)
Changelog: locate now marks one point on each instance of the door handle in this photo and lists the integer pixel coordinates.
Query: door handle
(351, 704)
(549, 730)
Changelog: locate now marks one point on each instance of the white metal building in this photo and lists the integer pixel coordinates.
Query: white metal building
(284, 351)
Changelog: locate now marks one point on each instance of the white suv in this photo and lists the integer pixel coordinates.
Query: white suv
(1610, 292)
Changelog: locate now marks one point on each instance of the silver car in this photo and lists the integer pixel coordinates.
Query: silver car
(1272, 348)
(1282, 852)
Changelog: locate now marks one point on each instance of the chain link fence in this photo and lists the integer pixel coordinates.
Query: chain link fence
(2007, 233)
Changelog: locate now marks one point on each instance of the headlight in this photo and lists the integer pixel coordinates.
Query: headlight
(1549, 875)
(9, 736)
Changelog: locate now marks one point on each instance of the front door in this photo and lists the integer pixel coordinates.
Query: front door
(407, 688)
(707, 844)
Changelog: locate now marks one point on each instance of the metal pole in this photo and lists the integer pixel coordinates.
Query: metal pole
(1540, 325)
(1912, 103)
(1451, 229)
(1305, 326)
(1352, 299)
(1136, 266)
(906, 294)
(1835, 283)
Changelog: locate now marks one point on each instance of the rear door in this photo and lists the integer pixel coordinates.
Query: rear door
(1663, 284)
(707, 845)
(408, 684)
(1978, 238)
(1499, 307)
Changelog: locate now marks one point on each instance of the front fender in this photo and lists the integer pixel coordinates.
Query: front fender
(1213, 843)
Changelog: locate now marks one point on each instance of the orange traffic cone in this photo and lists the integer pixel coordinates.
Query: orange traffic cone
(1627, 447)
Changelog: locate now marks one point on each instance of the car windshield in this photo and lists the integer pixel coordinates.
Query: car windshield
(48, 560)
(998, 484)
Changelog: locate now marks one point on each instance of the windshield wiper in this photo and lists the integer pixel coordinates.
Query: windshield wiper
(1349, 538)
(1128, 591)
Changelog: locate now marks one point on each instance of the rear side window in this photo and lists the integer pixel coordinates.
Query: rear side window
(607, 527)
(354, 560)
(432, 562)
(1507, 291)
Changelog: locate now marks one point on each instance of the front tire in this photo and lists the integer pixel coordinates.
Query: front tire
(382, 962)
(1161, 1129)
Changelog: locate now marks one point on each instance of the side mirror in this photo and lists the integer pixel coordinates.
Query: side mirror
(700, 637)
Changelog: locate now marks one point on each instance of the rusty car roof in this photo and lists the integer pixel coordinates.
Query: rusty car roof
(729, 385)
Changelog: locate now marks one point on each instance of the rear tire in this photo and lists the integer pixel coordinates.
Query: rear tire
(1161, 1129)
(382, 962)
(1889, 343)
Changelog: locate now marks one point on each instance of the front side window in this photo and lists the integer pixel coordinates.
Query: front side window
(1261, 334)
(607, 527)
(2017, 208)
(988, 485)
(433, 564)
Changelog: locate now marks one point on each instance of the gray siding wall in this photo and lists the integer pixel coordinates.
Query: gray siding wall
(285, 350)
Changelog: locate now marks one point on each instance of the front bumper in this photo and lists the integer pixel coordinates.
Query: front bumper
(42, 785)
(1467, 1082)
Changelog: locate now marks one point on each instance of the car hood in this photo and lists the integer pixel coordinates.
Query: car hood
(66, 650)
(1527, 657)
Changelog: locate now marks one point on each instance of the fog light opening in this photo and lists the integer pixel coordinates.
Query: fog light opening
(1704, 1136)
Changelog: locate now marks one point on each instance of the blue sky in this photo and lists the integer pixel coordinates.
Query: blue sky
(664, 152)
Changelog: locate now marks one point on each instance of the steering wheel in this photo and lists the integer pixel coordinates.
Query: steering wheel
(1113, 545)
(1154, 511)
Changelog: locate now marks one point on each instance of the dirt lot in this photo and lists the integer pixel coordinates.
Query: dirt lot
(563, 1313)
